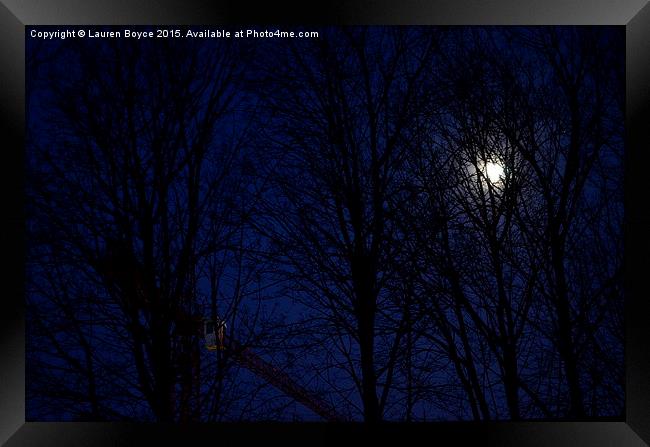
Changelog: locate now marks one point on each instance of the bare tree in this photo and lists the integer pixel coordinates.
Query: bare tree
(342, 109)
(135, 189)
(484, 198)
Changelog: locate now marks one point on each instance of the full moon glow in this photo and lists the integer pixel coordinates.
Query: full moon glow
(493, 171)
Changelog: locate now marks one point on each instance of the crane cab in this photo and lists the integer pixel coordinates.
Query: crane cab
(213, 334)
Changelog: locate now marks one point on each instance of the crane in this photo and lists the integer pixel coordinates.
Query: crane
(120, 268)
(244, 356)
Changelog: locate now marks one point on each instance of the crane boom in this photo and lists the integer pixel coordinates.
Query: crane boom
(280, 380)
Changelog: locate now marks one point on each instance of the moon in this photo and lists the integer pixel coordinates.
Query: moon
(493, 171)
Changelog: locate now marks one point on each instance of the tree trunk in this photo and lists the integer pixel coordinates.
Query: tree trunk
(564, 337)
(511, 380)
(369, 379)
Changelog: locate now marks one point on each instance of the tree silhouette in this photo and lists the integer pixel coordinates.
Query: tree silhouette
(135, 189)
(408, 224)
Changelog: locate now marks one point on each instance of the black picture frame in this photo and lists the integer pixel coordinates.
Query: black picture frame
(15, 15)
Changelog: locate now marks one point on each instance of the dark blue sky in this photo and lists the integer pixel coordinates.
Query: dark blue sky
(147, 102)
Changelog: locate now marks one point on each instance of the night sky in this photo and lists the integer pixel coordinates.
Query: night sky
(408, 223)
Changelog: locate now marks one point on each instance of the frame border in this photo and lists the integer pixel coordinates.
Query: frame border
(634, 14)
